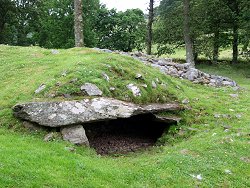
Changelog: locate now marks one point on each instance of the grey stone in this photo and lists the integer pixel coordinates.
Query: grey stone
(112, 89)
(173, 71)
(75, 134)
(217, 115)
(74, 80)
(40, 88)
(238, 116)
(58, 84)
(154, 84)
(54, 52)
(91, 89)
(106, 50)
(67, 96)
(49, 137)
(64, 73)
(138, 76)
(185, 101)
(134, 89)
(234, 95)
(191, 74)
(182, 71)
(32, 127)
(236, 88)
(58, 114)
(144, 85)
(167, 119)
(105, 76)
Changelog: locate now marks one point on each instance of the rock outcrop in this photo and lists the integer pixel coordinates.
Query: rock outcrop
(66, 113)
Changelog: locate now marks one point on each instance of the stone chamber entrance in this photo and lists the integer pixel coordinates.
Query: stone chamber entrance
(125, 135)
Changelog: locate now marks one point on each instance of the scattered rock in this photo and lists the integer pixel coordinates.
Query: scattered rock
(105, 76)
(144, 85)
(227, 127)
(138, 76)
(198, 177)
(91, 89)
(228, 171)
(75, 134)
(64, 73)
(135, 90)
(58, 114)
(234, 95)
(71, 149)
(245, 159)
(112, 89)
(49, 137)
(169, 119)
(67, 96)
(73, 80)
(217, 115)
(54, 52)
(238, 116)
(154, 84)
(185, 101)
(40, 88)
(58, 84)
(236, 88)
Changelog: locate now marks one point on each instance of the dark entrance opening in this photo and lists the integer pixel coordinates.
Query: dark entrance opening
(125, 135)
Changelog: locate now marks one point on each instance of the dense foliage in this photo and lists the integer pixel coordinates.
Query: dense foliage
(50, 23)
(214, 24)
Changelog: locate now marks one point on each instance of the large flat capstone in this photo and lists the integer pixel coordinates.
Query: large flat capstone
(59, 114)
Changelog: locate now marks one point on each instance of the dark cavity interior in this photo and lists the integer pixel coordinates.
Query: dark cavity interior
(125, 135)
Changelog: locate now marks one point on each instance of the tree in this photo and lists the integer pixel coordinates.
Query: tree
(6, 7)
(149, 27)
(187, 34)
(123, 31)
(78, 23)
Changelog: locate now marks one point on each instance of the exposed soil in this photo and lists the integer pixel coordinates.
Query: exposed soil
(124, 135)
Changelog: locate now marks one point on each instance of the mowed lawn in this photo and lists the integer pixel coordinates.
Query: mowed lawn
(209, 148)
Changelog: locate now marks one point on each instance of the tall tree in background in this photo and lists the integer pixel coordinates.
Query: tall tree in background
(6, 8)
(149, 27)
(78, 23)
(187, 34)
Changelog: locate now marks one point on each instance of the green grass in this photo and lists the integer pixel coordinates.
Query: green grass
(198, 145)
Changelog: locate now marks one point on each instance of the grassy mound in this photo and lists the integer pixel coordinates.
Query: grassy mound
(212, 140)
(24, 69)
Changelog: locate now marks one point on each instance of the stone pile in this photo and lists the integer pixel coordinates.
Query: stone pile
(183, 71)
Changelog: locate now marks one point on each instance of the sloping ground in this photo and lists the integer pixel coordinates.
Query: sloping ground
(212, 142)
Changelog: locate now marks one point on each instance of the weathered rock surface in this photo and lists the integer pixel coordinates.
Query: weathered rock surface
(134, 89)
(91, 89)
(58, 114)
(183, 71)
(75, 134)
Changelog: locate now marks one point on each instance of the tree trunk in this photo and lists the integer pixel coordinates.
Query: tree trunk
(78, 21)
(235, 43)
(216, 46)
(150, 23)
(187, 34)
